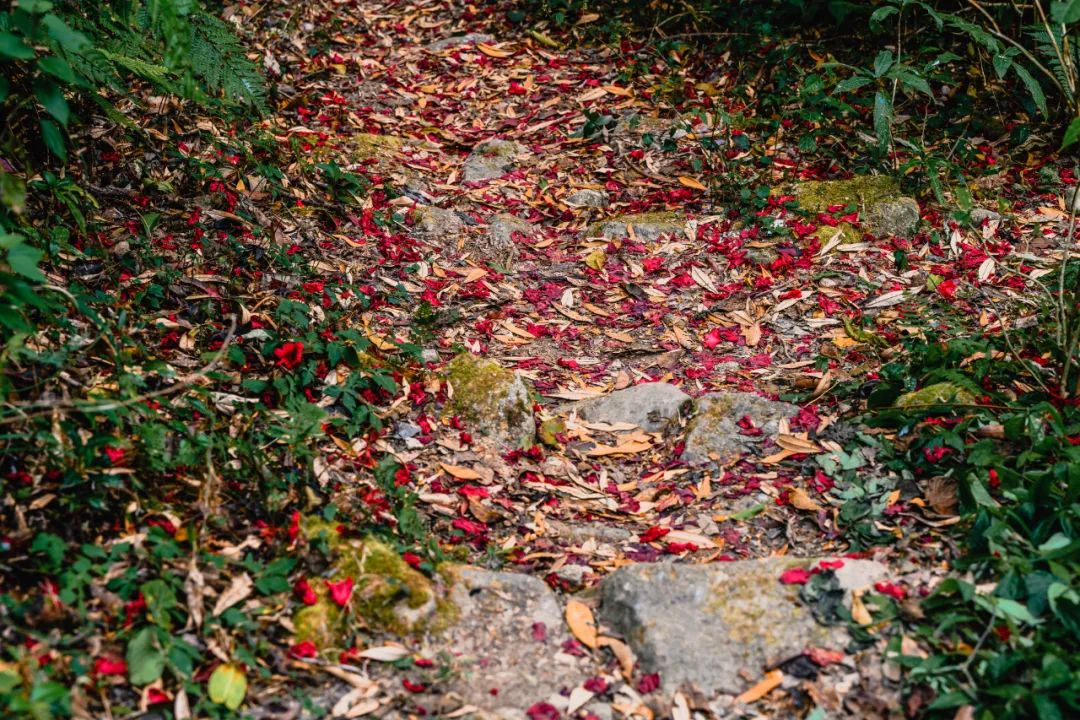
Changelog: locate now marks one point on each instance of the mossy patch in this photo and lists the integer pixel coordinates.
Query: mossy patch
(943, 393)
(650, 223)
(365, 146)
(861, 191)
(388, 594)
(490, 398)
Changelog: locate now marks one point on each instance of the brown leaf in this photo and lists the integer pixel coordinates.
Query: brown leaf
(762, 688)
(580, 620)
(622, 653)
(461, 473)
(691, 183)
(800, 499)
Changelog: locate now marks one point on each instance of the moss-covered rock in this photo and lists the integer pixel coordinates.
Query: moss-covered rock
(491, 159)
(647, 226)
(943, 393)
(365, 146)
(713, 432)
(388, 594)
(882, 208)
(492, 400)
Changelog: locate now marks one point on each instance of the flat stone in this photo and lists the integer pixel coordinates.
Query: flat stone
(459, 41)
(893, 217)
(493, 401)
(647, 226)
(499, 245)
(506, 638)
(438, 224)
(588, 198)
(978, 215)
(491, 159)
(701, 625)
(651, 406)
(713, 431)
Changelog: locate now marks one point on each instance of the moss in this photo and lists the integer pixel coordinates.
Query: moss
(860, 191)
(366, 146)
(737, 600)
(944, 393)
(388, 594)
(650, 218)
(488, 396)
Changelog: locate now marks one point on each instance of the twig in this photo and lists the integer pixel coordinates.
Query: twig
(92, 408)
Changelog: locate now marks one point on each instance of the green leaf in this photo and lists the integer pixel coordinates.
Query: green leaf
(883, 13)
(13, 48)
(883, 114)
(1033, 87)
(1072, 134)
(54, 139)
(145, 660)
(51, 97)
(1065, 12)
(23, 259)
(852, 83)
(228, 685)
(1002, 62)
(70, 40)
(882, 63)
(12, 192)
(57, 67)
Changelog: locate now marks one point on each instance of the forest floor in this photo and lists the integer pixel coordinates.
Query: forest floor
(368, 233)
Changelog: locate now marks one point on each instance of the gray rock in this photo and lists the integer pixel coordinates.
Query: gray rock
(651, 406)
(459, 41)
(700, 625)
(588, 198)
(491, 159)
(713, 430)
(892, 217)
(647, 226)
(496, 647)
(499, 245)
(493, 401)
(438, 224)
(978, 215)
(859, 574)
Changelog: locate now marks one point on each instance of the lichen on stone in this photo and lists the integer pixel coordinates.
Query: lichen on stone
(648, 225)
(490, 399)
(861, 191)
(943, 393)
(365, 146)
(388, 594)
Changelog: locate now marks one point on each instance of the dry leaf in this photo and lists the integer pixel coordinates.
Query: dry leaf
(691, 183)
(239, 589)
(580, 620)
(461, 473)
(762, 688)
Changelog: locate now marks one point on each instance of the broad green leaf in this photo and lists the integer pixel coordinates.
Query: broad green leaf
(883, 113)
(1072, 134)
(1033, 87)
(228, 685)
(71, 40)
(12, 192)
(1016, 611)
(882, 13)
(54, 139)
(24, 259)
(13, 48)
(852, 83)
(883, 62)
(145, 660)
(1002, 62)
(1065, 12)
(51, 97)
(57, 67)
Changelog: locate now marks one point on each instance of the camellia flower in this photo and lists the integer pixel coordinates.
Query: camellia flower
(289, 355)
(109, 666)
(340, 591)
(305, 649)
(303, 590)
(795, 576)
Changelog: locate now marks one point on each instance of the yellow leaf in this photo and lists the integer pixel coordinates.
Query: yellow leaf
(580, 620)
(596, 259)
(691, 183)
(801, 500)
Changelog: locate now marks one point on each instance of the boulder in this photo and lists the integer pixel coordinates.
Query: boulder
(980, 215)
(493, 401)
(505, 645)
(713, 432)
(647, 226)
(491, 159)
(499, 245)
(651, 406)
(459, 41)
(438, 224)
(703, 626)
(588, 198)
(882, 209)
(387, 594)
